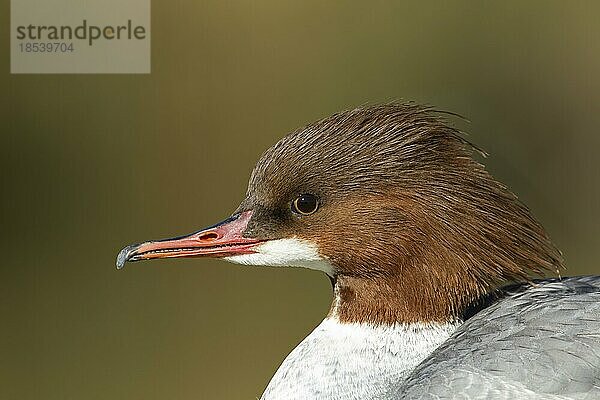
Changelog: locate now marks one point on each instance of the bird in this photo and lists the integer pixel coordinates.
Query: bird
(439, 272)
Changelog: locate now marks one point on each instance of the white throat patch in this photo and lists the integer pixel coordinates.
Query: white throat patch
(285, 253)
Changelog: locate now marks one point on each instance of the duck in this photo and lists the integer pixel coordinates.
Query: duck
(438, 271)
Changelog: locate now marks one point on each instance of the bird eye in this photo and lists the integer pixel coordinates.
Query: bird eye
(305, 204)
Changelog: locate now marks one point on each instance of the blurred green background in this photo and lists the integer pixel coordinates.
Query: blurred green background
(91, 163)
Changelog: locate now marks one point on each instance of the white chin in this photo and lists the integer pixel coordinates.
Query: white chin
(285, 253)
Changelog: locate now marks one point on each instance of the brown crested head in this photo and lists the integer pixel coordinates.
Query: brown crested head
(415, 229)
(387, 200)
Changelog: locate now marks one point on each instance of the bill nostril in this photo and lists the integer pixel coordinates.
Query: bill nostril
(208, 236)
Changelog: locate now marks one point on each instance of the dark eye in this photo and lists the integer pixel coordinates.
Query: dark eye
(305, 204)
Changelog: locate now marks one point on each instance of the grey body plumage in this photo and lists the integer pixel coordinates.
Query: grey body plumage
(538, 341)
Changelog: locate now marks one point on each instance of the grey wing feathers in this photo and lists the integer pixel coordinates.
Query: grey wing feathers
(540, 341)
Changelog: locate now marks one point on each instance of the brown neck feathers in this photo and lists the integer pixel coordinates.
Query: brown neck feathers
(437, 260)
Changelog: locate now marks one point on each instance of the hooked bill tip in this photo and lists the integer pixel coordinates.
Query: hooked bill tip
(124, 255)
